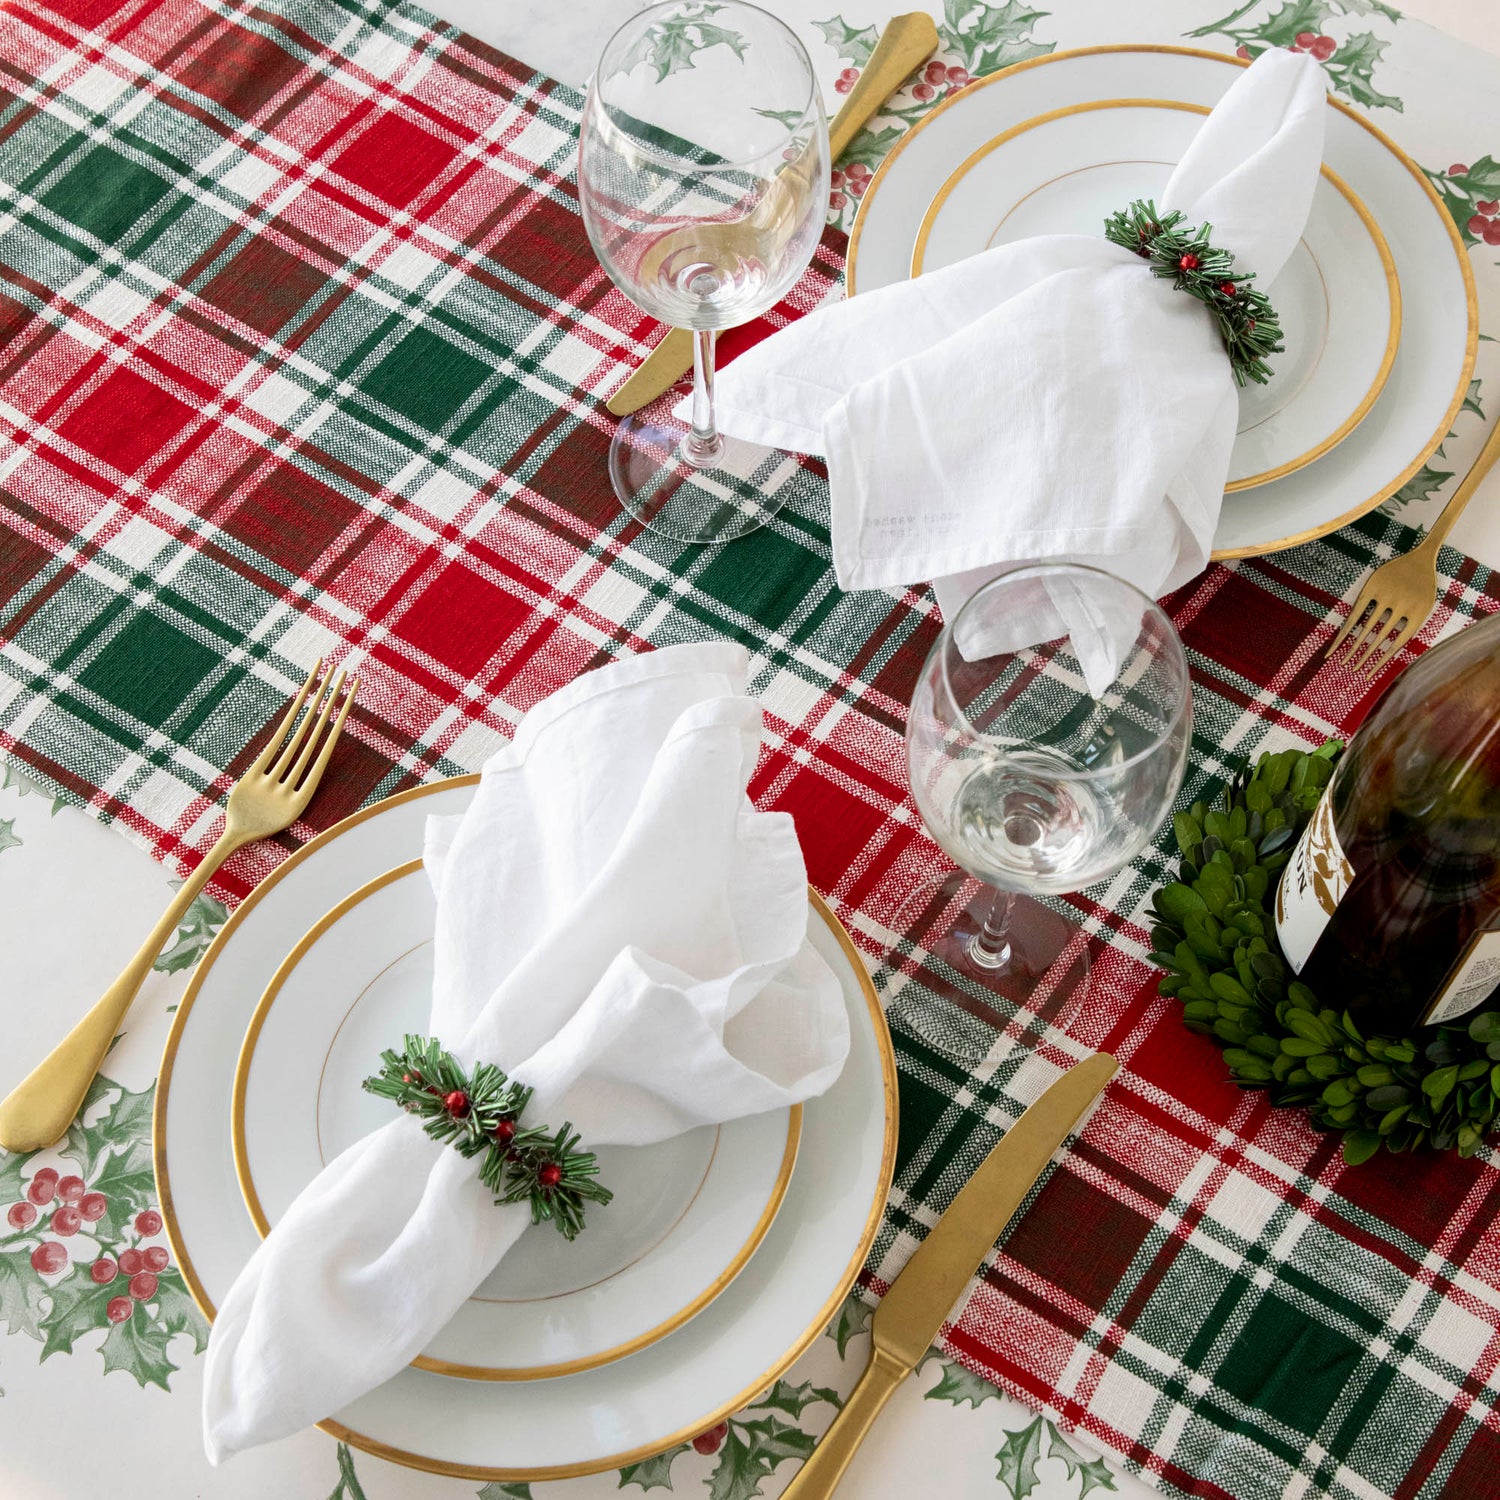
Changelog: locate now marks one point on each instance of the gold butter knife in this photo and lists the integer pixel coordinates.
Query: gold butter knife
(905, 44)
(922, 1296)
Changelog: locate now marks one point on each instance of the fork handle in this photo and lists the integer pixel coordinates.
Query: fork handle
(40, 1108)
(1465, 492)
(905, 44)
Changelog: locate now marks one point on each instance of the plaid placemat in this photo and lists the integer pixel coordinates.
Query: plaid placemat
(302, 350)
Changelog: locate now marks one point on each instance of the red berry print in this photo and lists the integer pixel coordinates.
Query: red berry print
(119, 1309)
(712, 1440)
(1323, 48)
(142, 1286)
(935, 73)
(103, 1271)
(1492, 232)
(1477, 225)
(42, 1187)
(1305, 39)
(836, 200)
(22, 1215)
(1459, 169)
(840, 87)
(1488, 207)
(132, 1261)
(923, 92)
(49, 1258)
(156, 1258)
(92, 1206)
(549, 1174)
(70, 1189)
(66, 1220)
(1243, 51)
(958, 77)
(148, 1222)
(846, 80)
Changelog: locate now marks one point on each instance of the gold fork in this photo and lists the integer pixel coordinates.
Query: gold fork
(270, 796)
(1399, 596)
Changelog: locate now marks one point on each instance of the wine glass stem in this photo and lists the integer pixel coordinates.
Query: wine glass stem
(703, 445)
(989, 948)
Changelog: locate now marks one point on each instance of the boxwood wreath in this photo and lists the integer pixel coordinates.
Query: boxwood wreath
(1215, 936)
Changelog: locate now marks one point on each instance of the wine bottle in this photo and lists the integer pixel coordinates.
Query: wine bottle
(1390, 905)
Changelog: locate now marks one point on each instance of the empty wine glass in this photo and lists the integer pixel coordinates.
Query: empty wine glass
(1046, 743)
(703, 179)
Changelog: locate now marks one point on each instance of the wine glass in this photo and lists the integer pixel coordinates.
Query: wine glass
(1046, 742)
(703, 180)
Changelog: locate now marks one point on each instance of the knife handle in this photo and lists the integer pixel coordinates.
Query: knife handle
(905, 44)
(818, 1477)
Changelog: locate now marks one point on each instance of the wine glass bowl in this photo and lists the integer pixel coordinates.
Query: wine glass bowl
(1046, 742)
(703, 182)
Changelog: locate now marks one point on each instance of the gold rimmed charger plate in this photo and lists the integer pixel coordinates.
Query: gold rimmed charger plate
(704, 1372)
(1299, 366)
(1434, 361)
(754, 1164)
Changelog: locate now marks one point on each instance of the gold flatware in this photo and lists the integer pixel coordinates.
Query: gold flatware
(270, 796)
(905, 44)
(1400, 595)
(921, 1297)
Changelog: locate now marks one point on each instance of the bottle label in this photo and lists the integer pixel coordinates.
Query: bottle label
(1471, 980)
(1312, 885)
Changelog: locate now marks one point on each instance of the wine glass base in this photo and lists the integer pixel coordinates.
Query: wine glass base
(955, 997)
(737, 492)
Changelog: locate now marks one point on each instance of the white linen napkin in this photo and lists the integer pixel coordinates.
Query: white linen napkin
(618, 928)
(1049, 398)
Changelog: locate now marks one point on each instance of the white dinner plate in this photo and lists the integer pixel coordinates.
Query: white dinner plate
(1429, 376)
(686, 1216)
(1338, 296)
(539, 1429)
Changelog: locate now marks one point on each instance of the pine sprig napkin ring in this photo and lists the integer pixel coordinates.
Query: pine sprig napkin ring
(1247, 322)
(479, 1114)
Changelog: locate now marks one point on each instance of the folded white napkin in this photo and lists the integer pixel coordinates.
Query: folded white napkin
(619, 929)
(1049, 398)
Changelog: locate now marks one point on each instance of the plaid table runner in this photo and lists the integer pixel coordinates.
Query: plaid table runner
(302, 351)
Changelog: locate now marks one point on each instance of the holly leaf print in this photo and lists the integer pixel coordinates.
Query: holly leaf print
(9, 839)
(138, 1346)
(1471, 401)
(1280, 28)
(1352, 70)
(750, 1454)
(792, 1399)
(176, 1310)
(1421, 486)
(22, 1292)
(674, 44)
(991, 37)
(654, 1473)
(1368, 8)
(1093, 1471)
(853, 44)
(348, 1487)
(124, 1126)
(77, 1308)
(1018, 1458)
(501, 1490)
(195, 932)
(960, 1387)
(870, 146)
(853, 1318)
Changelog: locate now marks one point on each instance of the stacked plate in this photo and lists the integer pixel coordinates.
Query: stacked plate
(1377, 302)
(724, 1254)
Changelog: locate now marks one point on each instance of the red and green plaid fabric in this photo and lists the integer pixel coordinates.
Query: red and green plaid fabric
(302, 351)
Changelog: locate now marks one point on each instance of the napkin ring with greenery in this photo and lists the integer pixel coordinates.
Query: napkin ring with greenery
(479, 1114)
(1247, 322)
(1215, 936)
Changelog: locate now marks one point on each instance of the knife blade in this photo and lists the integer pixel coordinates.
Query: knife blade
(905, 44)
(913, 1311)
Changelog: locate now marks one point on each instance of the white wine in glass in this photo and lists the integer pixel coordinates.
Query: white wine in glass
(703, 179)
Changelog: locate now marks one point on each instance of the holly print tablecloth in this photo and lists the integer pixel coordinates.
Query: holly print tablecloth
(302, 351)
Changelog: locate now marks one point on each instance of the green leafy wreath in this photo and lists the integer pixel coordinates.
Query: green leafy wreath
(1215, 937)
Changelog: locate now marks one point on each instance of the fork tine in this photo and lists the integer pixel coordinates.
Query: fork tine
(1371, 638)
(314, 775)
(287, 753)
(1373, 668)
(267, 757)
(325, 711)
(1357, 612)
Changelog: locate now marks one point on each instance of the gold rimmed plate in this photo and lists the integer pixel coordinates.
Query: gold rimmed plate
(687, 1215)
(1338, 297)
(1426, 381)
(526, 1430)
